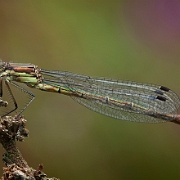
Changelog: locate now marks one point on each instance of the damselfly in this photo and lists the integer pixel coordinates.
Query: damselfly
(124, 100)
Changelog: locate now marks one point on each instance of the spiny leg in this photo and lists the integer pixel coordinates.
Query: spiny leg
(12, 97)
(31, 96)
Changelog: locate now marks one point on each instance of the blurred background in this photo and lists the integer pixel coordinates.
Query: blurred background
(129, 40)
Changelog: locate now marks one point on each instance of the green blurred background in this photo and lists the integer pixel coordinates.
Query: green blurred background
(129, 40)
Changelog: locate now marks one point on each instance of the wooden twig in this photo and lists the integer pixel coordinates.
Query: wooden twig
(13, 129)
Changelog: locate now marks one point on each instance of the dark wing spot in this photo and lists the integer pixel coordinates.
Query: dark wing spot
(161, 98)
(164, 88)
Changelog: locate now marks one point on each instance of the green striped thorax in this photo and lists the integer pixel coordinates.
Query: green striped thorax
(22, 73)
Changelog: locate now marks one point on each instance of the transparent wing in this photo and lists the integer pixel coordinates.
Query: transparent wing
(131, 101)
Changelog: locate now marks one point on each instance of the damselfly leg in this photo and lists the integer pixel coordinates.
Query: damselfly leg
(2, 103)
(11, 105)
(28, 94)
